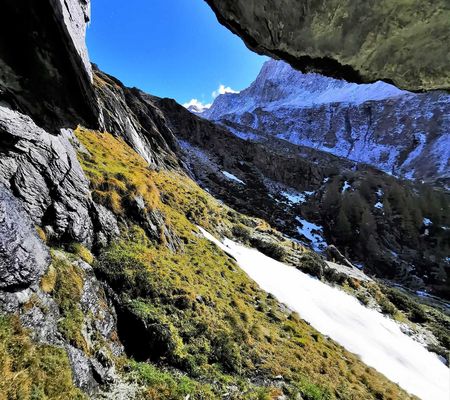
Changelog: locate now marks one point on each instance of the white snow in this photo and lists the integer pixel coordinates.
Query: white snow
(376, 339)
(232, 177)
(313, 233)
(427, 222)
(393, 253)
(378, 205)
(297, 198)
(421, 139)
(297, 90)
(346, 187)
(442, 148)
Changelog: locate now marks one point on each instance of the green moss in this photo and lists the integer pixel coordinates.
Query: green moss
(82, 252)
(67, 292)
(32, 371)
(162, 385)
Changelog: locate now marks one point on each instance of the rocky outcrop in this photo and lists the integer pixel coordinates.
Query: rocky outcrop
(43, 311)
(44, 67)
(42, 170)
(360, 41)
(23, 256)
(399, 132)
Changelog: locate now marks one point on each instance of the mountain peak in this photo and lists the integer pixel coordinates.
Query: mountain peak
(278, 85)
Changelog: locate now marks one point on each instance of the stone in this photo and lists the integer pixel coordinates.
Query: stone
(335, 255)
(107, 225)
(23, 255)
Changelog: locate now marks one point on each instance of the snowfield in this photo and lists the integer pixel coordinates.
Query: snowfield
(376, 339)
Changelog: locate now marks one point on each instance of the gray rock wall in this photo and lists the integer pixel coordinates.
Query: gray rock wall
(44, 65)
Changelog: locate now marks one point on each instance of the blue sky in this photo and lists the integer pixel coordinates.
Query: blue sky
(169, 48)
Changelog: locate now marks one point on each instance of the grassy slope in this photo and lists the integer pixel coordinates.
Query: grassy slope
(209, 319)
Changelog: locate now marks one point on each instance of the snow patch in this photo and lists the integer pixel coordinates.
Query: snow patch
(377, 339)
(232, 177)
(346, 187)
(427, 222)
(297, 198)
(379, 205)
(313, 233)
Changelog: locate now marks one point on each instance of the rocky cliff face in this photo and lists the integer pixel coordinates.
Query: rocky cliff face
(399, 132)
(45, 69)
(363, 41)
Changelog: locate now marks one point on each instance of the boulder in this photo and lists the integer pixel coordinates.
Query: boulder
(335, 255)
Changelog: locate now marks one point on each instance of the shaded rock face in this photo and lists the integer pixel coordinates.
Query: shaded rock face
(23, 256)
(133, 115)
(406, 43)
(44, 67)
(399, 132)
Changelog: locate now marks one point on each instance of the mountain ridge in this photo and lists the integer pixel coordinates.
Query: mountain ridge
(399, 132)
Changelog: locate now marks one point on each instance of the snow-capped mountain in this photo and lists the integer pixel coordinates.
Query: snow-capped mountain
(399, 132)
(196, 107)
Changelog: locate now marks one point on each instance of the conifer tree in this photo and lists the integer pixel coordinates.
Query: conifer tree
(368, 225)
(342, 229)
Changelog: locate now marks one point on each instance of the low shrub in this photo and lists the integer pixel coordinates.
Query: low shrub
(270, 249)
(241, 232)
(311, 263)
